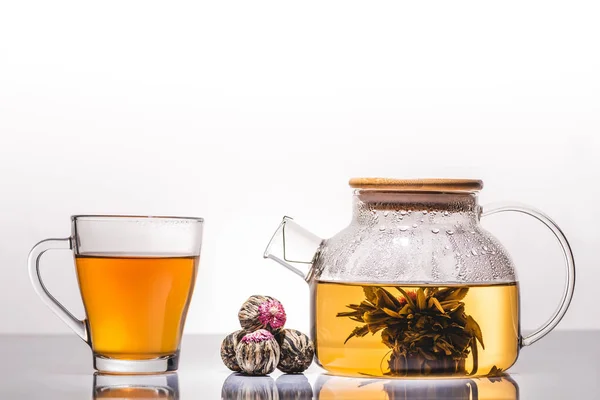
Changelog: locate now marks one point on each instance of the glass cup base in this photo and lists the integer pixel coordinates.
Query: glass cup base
(107, 365)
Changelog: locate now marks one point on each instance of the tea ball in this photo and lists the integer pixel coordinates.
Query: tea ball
(228, 349)
(262, 312)
(297, 351)
(258, 353)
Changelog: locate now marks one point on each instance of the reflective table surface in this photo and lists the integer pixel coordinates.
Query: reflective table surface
(564, 365)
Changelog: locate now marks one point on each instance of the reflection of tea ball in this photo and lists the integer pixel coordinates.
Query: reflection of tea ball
(258, 353)
(293, 387)
(297, 351)
(241, 387)
(262, 312)
(228, 350)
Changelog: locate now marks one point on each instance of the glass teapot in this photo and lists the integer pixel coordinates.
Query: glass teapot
(414, 286)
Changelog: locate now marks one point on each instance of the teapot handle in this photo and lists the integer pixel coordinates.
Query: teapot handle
(569, 263)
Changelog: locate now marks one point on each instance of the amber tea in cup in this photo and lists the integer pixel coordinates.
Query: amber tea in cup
(135, 306)
(136, 277)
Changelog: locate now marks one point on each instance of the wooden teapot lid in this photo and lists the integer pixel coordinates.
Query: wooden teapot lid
(418, 185)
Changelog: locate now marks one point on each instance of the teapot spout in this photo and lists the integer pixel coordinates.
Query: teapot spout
(294, 247)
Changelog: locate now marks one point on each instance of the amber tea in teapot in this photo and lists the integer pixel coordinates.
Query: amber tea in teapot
(444, 329)
(414, 286)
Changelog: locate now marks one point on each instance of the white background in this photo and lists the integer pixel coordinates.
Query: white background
(244, 112)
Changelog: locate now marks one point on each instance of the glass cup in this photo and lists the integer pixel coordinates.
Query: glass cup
(136, 278)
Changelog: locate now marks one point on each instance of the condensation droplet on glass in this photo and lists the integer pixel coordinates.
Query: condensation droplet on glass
(402, 212)
(403, 228)
(415, 225)
(485, 248)
(424, 212)
(447, 247)
(435, 230)
(450, 232)
(385, 213)
(409, 211)
(446, 213)
(382, 228)
(472, 232)
(474, 252)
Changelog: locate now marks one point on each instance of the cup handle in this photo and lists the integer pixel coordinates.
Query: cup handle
(569, 263)
(78, 326)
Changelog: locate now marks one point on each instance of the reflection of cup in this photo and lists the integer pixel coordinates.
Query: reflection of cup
(126, 387)
(136, 277)
(330, 387)
(243, 387)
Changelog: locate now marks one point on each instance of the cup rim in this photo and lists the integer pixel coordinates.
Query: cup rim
(93, 217)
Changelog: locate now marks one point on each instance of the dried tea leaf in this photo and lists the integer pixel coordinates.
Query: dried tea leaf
(443, 346)
(458, 293)
(374, 328)
(458, 314)
(370, 293)
(407, 297)
(450, 305)
(355, 306)
(375, 317)
(435, 302)
(459, 341)
(443, 294)
(359, 331)
(474, 327)
(391, 313)
(385, 299)
(348, 314)
(405, 310)
(367, 305)
(495, 374)
(421, 322)
(475, 357)
(421, 303)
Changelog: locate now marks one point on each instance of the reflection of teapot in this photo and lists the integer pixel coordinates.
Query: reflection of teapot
(147, 387)
(414, 285)
(330, 387)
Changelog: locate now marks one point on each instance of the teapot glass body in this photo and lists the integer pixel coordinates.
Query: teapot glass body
(413, 286)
